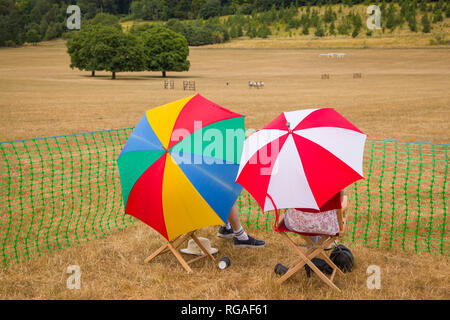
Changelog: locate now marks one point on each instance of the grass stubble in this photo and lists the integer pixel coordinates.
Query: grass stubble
(402, 95)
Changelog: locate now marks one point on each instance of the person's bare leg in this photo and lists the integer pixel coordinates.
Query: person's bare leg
(233, 218)
(241, 238)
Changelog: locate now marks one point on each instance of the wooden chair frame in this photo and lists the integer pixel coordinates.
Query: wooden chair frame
(315, 250)
(172, 246)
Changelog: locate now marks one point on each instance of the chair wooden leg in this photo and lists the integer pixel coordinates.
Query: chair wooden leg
(322, 275)
(164, 248)
(174, 244)
(317, 249)
(161, 250)
(331, 263)
(206, 252)
(333, 274)
(180, 258)
(296, 267)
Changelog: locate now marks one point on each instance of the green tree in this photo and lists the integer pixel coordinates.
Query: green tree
(98, 47)
(305, 29)
(198, 35)
(165, 50)
(33, 36)
(332, 29)
(105, 19)
(423, 5)
(391, 21)
(426, 27)
(11, 23)
(263, 31)
(138, 28)
(412, 23)
(210, 9)
(319, 32)
(80, 48)
(252, 29)
(344, 26)
(196, 6)
(437, 16)
(183, 9)
(88, 8)
(218, 31)
(356, 21)
(240, 32)
(176, 25)
(329, 15)
(137, 9)
(115, 51)
(233, 32)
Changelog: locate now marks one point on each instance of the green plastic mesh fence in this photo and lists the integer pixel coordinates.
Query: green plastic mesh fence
(402, 202)
(59, 191)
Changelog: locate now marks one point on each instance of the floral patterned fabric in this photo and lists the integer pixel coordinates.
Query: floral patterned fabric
(325, 222)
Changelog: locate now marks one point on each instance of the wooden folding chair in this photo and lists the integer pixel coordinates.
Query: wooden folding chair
(171, 246)
(315, 250)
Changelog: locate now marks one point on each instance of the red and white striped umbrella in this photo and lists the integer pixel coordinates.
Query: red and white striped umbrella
(301, 159)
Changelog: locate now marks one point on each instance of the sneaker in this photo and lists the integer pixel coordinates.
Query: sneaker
(249, 243)
(225, 233)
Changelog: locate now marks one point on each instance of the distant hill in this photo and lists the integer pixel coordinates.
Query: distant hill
(403, 24)
(408, 22)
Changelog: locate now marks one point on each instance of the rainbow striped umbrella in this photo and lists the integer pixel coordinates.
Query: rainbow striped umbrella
(179, 165)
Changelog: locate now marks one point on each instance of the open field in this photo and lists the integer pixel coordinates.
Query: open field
(403, 94)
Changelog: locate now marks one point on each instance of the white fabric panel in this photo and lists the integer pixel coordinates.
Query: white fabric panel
(347, 145)
(295, 117)
(256, 141)
(288, 186)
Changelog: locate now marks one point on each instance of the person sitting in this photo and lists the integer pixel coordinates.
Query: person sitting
(323, 221)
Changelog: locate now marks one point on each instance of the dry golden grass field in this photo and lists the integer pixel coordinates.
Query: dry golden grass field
(403, 95)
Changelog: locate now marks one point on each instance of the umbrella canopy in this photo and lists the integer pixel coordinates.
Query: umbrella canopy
(301, 159)
(179, 165)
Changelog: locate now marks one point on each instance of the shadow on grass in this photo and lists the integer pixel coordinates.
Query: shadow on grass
(134, 77)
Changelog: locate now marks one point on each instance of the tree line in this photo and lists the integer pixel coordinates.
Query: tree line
(36, 20)
(164, 10)
(328, 20)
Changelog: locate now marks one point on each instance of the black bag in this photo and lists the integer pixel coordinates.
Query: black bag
(321, 265)
(342, 257)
